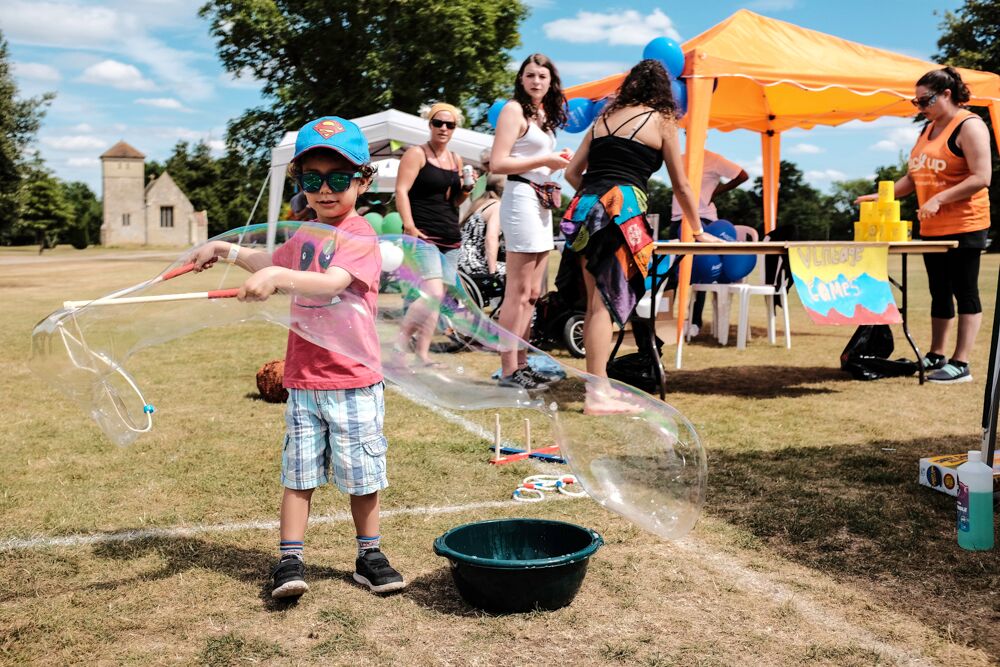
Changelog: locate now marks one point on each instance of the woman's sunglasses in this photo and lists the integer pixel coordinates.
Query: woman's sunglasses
(337, 180)
(924, 102)
(437, 122)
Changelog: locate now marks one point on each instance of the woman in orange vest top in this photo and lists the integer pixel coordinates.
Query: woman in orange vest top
(950, 170)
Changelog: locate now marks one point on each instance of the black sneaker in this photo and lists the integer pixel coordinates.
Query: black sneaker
(951, 374)
(373, 570)
(289, 578)
(539, 376)
(933, 364)
(522, 380)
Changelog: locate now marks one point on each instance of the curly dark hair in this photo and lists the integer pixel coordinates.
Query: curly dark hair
(948, 78)
(648, 85)
(554, 102)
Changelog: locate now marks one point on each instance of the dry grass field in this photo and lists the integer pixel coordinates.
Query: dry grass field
(816, 546)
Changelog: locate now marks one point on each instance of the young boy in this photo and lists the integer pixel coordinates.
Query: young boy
(335, 404)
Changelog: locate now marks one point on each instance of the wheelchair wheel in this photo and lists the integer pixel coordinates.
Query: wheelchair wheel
(573, 336)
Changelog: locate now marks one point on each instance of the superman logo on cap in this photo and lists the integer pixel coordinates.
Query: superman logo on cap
(328, 128)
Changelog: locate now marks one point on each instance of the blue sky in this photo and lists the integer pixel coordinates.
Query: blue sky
(146, 71)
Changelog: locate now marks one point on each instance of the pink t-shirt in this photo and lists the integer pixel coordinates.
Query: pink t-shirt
(353, 248)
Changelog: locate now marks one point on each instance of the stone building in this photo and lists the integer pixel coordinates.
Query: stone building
(140, 213)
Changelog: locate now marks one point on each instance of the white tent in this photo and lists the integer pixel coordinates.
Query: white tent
(389, 133)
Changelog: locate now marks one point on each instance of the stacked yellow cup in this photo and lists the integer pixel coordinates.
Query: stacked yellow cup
(891, 227)
(867, 228)
(880, 219)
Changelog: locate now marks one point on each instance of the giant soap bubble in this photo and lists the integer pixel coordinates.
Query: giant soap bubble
(645, 463)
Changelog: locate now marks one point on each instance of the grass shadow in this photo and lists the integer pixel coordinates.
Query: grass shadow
(181, 554)
(756, 381)
(857, 512)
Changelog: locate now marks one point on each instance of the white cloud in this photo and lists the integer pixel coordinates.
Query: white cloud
(217, 146)
(899, 138)
(76, 142)
(119, 27)
(83, 162)
(885, 145)
(162, 103)
(587, 70)
(754, 168)
(825, 175)
(625, 28)
(117, 75)
(244, 79)
(63, 25)
(36, 72)
(806, 149)
(82, 128)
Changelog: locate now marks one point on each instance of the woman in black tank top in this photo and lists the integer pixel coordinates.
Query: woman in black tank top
(606, 221)
(428, 193)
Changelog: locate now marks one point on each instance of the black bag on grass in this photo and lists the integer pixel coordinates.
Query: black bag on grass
(636, 369)
(866, 356)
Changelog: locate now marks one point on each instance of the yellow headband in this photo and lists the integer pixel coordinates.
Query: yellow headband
(444, 106)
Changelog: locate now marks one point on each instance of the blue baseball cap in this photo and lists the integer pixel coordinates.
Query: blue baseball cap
(335, 133)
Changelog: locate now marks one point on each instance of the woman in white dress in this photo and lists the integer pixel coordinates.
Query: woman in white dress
(524, 150)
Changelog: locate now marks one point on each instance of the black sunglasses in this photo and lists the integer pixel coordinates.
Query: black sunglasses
(437, 122)
(337, 180)
(924, 102)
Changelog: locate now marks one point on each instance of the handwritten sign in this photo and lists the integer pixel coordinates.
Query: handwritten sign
(844, 284)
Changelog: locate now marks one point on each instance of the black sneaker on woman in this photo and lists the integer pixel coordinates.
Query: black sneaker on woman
(541, 377)
(522, 380)
(373, 570)
(289, 578)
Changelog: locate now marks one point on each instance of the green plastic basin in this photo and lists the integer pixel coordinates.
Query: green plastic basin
(518, 565)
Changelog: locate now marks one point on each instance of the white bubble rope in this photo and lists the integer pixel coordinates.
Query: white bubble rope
(533, 488)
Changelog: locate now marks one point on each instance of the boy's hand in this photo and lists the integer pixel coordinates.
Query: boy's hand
(871, 197)
(261, 284)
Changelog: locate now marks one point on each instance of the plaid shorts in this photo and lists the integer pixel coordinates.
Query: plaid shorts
(338, 429)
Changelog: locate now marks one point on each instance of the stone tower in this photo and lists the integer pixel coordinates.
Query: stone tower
(123, 173)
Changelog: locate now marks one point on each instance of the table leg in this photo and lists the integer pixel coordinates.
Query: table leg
(906, 327)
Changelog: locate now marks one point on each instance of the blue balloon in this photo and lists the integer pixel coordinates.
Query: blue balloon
(706, 269)
(668, 52)
(598, 107)
(723, 229)
(494, 112)
(680, 91)
(737, 267)
(579, 114)
(734, 267)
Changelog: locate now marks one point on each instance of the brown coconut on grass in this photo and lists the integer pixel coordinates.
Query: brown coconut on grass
(270, 378)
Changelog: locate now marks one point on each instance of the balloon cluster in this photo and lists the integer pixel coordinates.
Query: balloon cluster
(391, 223)
(707, 269)
(581, 112)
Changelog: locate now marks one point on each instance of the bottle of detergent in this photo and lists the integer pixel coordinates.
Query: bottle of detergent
(975, 504)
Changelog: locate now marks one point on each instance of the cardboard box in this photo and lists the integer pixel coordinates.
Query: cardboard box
(941, 472)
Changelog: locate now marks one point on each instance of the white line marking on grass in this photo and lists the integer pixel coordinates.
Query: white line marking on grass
(815, 612)
(20, 544)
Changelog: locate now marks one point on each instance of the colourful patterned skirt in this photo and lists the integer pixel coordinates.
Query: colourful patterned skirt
(606, 223)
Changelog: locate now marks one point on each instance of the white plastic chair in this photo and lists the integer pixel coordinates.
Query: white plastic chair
(722, 294)
(770, 292)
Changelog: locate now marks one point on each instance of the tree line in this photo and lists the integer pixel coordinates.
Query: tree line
(315, 55)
